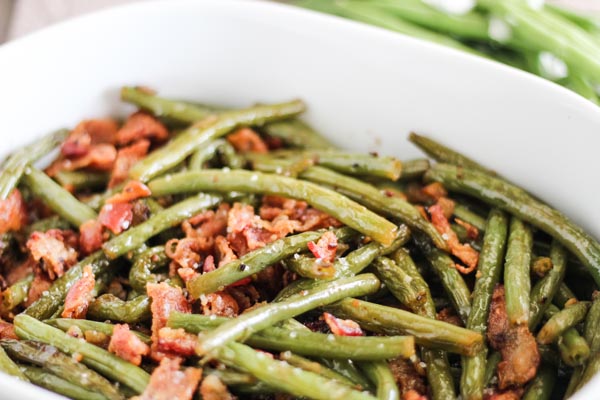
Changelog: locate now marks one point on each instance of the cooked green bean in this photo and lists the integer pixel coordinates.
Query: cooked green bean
(204, 154)
(489, 269)
(77, 180)
(61, 365)
(43, 225)
(414, 169)
(86, 325)
(172, 216)
(283, 376)
(205, 131)
(110, 307)
(144, 265)
(393, 321)
(8, 366)
(399, 283)
(313, 366)
(109, 365)
(561, 321)
(590, 370)
(16, 293)
(14, 166)
(269, 314)
(57, 198)
(516, 201)
(380, 374)
(563, 295)
(255, 261)
(97, 201)
(574, 381)
(592, 324)
(542, 385)
(516, 272)
(574, 349)
(490, 366)
(463, 213)
(347, 211)
(306, 342)
(47, 380)
(296, 133)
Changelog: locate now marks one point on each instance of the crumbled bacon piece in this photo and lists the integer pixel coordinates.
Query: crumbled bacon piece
(447, 206)
(125, 159)
(245, 296)
(245, 140)
(90, 236)
(342, 327)
(472, 232)
(220, 304)
(434, 191)
(406, 376)
(141, 125)
(13, 212)
(88, 133)
(100, 157)
(185, 252)
(116, 217)
(39, 285)
(520, 355)
(212, 388)
(413, 395)
(51, 248)
(168, 382)
(325, 248)
(133, 190)
(177, 341)
(79, 295)
(224, 252)
(127, 345)
(448, 315)
(509, 394)
(464, 252)
(7, 330)
(309, 218)
(211, 223)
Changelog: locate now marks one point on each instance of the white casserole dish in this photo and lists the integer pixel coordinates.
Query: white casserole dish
(366, 89)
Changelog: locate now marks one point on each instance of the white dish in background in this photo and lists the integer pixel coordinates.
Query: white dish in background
(366, 89)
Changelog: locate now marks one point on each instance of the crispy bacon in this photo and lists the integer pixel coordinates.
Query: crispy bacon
(7, 330)
(472, 232)
(434, 191)
(168, 382)
(127, 345)
(141, 125)
(90, 236)
(79, 295)
(325, 248)
(224, 252)
(185, 252)
(342, 327)
(413, 395)
(88, 133)
(307, 218)
(245, 295)
(406, 376)
(212, 388)
(39, 285)
(116, 217)
(447, 206)
(100, 157)
(245, 140)
(50, 247)
(220, 304)
(520, 355)
(177, 341)
(468, 255)
(209, 223)
(13, 212)
(448, 315)
(125, 159)
(133, 190)
(510, 394)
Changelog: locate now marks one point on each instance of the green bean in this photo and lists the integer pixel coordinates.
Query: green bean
(589, 23)
(43, 225)
(111, 366)
(462, 212)
(204, 154)
(443, 154)
(110, 307)
(313, 366)
(284, 377)
(205, 131)
(414, 169)
(542, 385)
(78, 180)
(393, 321)
(144, 265)
(97, 201)
(490, 366)
(229, 157)
(255, 261)
(563, 295)
(306, 342)
(516, 272)
(49, 381)
(269, 314)
(14, 166)
(453, 282)
(61, 365)
(514, 200)
(561, 321)
(380, 374)
(574, 381)
(590, 370)
(172, 216)
(58, 199)
(573, 349)
(544, 290)
(86, 325)
(16, 293)
(48, 304)
(336, 205)
(296, 133)
(489, 269)
(592, 324)
(8, 366)
(309, 267)
(374, 199)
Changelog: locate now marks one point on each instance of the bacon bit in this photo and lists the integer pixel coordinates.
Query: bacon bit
(406, 376)
(187, 274)
(19, 271)
(325, 248)
(449, 316)
(245, 296)
(245, 140)
(50, 247)
(165, 299)
(100, 157)
(209, 264)
(13, 212)
(177, 341)
(133, 190)
(116, 217)
(77, 357)
(79, 295)
(241, 282)
(342, 327)
(510, 394)
(88, 133)
(212, 388)
(472, 232)
(40, 284)
(184, 252)
(125, 159)
(127, 345)
(90, 236)
(423, 212)
(447, 206)
(434, 191)
(463, 252)
(520, 355)
(220, 304)
(7, 331)
(167, 382)
(141, 125)
(224, 252)
(308, 217)
(413, 395)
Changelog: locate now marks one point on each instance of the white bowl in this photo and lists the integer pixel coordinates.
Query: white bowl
(366, 89)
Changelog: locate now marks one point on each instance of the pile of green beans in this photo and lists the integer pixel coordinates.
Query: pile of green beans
(388, 275)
